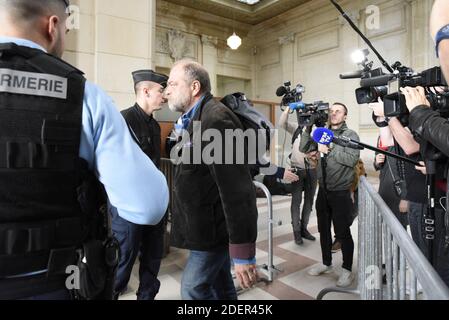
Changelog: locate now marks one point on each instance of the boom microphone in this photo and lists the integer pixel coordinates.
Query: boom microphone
(377, 81)
(351, 75)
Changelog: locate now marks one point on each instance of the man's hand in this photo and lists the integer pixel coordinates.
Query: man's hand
(415, 97)
(246, 275)
(380, 159)
(403, 206)
(323, 148)
(378, 109)
(422, 168)
(290, 176)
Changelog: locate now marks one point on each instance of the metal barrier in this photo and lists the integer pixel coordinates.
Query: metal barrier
(269, 270)
(383, 241)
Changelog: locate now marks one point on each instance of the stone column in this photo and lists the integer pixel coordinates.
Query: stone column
(210, 59)
(152, 34)
(422, 44)
(287, 57)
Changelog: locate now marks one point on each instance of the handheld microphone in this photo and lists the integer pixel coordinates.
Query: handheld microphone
(326, 137)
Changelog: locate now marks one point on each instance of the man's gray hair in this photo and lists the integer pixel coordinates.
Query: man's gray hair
(25, 10)
(195, 71)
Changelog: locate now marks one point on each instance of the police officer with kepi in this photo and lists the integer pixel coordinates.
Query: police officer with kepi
(59, 136)
(133, 238)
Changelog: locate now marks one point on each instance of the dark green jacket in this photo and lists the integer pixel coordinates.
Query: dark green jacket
(340, 162)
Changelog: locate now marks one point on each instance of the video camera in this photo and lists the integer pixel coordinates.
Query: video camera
(290, 95)
(308, 114)
(376, 84)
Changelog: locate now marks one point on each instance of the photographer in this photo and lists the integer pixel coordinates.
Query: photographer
(389, 175)
(306, 184)
(415, 199)
(334, 204)
(432, 128)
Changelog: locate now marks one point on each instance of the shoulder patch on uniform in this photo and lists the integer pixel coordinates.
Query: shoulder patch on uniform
(34, 84)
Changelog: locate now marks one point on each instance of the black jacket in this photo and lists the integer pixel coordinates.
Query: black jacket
(214, 205)
(431, 127)
(146, 130)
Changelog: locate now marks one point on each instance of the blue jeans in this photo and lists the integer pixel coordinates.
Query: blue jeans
(207, 276)
(135, 239)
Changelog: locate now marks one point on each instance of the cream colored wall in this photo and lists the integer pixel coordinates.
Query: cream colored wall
(115, 38)
(310, 45)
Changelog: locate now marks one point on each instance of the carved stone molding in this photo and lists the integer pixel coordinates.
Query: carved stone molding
(290, 38)
(209, 41)
(177, 44)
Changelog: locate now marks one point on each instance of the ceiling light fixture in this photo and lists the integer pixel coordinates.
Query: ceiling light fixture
(234, 41)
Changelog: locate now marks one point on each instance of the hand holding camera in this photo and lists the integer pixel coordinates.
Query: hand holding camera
(415, 97)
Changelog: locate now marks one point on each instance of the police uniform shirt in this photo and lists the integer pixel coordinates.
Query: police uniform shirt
(135, 187)
(147, 131)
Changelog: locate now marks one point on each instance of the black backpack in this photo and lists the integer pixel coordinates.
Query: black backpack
(250, 118)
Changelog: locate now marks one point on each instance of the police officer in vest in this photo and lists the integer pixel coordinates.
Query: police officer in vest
(148, 240)
(59, 136)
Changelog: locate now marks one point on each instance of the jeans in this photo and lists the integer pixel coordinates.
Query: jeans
(307, 183)
(207, 276)
(135, 239)
(335, 207)
(416, 212)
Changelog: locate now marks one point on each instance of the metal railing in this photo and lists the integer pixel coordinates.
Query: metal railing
(384, 243)
(268, 269)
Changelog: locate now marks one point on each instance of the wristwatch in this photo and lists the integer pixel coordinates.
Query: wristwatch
(442, 34)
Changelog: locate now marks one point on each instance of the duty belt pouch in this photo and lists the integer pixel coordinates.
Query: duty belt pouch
(92, 270)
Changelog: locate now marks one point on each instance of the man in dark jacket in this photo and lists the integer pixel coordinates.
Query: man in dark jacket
(214, 211)
(431, 127)
(148, 240)
(336, 171)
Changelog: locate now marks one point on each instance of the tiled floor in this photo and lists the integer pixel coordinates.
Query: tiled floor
(293, 283)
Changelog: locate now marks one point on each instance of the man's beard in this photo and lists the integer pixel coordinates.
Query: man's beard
(337, 124)
(180, 105)
(175, 108)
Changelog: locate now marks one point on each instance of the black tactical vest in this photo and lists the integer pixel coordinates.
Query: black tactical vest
(44, 213)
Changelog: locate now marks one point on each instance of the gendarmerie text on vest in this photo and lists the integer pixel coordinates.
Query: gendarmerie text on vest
(29, 83)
